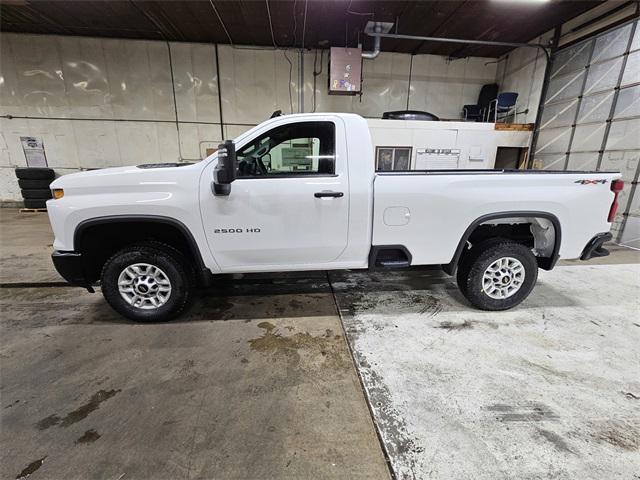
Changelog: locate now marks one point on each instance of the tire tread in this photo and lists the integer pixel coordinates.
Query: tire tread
(153, 247)
(472, 268)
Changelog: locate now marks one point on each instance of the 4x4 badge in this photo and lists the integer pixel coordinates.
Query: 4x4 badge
(590, 182)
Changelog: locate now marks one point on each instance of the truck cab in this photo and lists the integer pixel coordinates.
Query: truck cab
(301, 215)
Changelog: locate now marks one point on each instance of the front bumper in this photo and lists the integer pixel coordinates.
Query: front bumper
(71, 267)
(594, 248)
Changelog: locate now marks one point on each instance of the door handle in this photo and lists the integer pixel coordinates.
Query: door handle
(327, 193)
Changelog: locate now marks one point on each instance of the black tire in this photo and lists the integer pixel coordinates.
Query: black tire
(35, 173)
(170, 261)
(31, 184)
(463, 271)
(39, 193)
(473, 266)
(38, 203)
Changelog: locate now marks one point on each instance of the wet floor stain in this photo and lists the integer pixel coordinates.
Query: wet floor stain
(326, 346)
(78, 414)
(388, 304)
(89, 436)
(296, 304)
(29, 469)
(47, 422)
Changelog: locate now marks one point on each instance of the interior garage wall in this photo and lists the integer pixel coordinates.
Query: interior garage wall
(522, 70)
(395, 81)
(109, 102)
(98, 103)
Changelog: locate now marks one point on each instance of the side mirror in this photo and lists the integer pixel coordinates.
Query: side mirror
(225, 171)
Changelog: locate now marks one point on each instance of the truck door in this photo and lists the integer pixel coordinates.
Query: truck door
(289, 204)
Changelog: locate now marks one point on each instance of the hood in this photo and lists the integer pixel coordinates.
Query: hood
(124, 177)
(104, 174)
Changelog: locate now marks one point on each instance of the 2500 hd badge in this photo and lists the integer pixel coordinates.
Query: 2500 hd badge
(236, 230)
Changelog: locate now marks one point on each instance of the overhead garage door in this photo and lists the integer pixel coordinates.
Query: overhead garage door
(591, 115)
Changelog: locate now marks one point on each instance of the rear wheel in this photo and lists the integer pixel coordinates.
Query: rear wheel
(148, 282)
(497, 274)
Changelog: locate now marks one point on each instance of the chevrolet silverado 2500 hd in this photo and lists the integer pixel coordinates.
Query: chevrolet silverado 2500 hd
(299, 192)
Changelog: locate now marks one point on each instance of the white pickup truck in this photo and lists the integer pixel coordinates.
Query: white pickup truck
(299, 192)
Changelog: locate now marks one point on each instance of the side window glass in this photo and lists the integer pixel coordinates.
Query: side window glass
(305, 148)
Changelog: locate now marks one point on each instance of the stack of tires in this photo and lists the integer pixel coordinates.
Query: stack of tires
(34, 185)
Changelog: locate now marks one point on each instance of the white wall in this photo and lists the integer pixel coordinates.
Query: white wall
(107, 102)
(522, 71)
(438, 85)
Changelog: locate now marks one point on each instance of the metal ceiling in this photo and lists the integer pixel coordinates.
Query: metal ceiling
(326, 22)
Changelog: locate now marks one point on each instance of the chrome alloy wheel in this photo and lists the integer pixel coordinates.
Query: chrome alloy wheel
(144, 286)
(503, 278)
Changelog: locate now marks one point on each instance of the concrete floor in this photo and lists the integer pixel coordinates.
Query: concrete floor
(550, 389)
(257, 380)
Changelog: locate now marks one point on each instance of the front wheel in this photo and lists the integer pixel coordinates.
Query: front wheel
(497, 274)
(148, 282)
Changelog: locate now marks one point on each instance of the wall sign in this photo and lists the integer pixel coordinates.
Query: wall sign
(345, 70)
(33, 149)
(437, 158)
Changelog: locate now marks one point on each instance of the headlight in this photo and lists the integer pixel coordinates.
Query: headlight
(58, 193)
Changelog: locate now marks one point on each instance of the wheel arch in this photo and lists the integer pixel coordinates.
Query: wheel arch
(546, 263)
(152, 227)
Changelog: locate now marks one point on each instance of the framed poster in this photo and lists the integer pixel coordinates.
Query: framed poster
(393, 158)
(33, 149)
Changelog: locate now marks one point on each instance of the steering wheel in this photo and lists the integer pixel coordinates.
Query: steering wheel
(257, 158)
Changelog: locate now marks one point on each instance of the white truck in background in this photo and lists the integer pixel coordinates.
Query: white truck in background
(300, 192)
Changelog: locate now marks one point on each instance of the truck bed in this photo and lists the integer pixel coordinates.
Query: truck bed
(490, 171)
(428, 211)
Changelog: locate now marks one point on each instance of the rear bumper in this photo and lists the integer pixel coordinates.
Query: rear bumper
(70, 267)
(594, 248)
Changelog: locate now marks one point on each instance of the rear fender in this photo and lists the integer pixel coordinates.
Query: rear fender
(540, 233)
